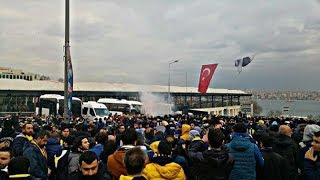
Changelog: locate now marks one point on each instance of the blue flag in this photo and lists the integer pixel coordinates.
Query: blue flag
(70, 82)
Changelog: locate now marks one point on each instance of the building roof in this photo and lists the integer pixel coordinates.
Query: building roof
(45, 85)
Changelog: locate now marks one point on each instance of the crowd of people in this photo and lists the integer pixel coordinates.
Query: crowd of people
(169, 147)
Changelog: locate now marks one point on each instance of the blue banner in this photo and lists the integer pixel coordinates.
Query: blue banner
(70, 82)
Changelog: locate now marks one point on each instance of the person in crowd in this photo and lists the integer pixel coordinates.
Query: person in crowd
(275, 166)
(134, 161)
(18, 168)
(24, 137)
(8, 130)
(5, 156)
(121, 129)
(37, 155)
(53, 147)
(305, 144)
(65, 133)
(115, 161)
(213, 163)
(312, 161)
(100, 138)
(185, 132)
(89, 168)
(287, 148)
(80, 145)
(246, 154)
(162, 166)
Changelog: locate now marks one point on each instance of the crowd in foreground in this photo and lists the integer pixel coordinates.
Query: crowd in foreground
(170, 147)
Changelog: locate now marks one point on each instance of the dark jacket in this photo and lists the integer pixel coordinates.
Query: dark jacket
(275, 166)
(53, 147)
(288, 149)
(312, 169)
(38, 162)
(8, 133)
(101, 175)
(18, 144)
(211, 164)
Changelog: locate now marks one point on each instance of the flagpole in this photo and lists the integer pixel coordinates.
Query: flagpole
(65, 112)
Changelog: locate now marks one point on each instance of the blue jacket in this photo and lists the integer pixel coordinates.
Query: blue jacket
(312, 169)
(38, 163)
(53, 147)
(246, 155)
(97, 149)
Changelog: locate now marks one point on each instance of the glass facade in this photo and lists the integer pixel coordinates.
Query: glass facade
(13, 104)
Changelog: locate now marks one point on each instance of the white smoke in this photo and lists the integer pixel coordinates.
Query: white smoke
(155, 104)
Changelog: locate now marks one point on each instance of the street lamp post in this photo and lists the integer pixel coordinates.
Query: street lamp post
(169, 80)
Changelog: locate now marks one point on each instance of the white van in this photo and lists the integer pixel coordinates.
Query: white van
(93, 110)
(121, 106)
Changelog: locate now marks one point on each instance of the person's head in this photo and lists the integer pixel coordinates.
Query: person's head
(65, 132)
(121, 128)
(192, 125)
(215, 138)
(285, 130)
(55, 135)
(41, 138)
(316, 141)
(165, 148)
(88, 164)
(266, 141)
(134, 161)
(18, 165)
(239, 128)
(81, 144)
(109, 147)
(27, 129)
(129, 136)
(5, 156)
(101, 138)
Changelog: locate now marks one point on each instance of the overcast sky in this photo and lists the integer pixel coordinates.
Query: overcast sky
(133, 41)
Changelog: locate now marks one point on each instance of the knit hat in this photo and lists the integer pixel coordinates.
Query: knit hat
(261, 122)
(309, 131)
(197, 128)
(193, 134)
(274, 123)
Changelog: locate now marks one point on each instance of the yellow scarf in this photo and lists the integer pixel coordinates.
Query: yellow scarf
(42, 150)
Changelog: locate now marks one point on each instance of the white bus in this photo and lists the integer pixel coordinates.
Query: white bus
(53, 104)
(121, 106)
(94, 111)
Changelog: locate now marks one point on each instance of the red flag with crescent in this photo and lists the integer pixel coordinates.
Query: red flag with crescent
(206, 74)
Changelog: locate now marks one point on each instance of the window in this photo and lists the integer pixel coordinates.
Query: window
(92, 112)
(85, 110)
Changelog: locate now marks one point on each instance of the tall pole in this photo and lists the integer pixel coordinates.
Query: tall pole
(65, 112)
(169, 98)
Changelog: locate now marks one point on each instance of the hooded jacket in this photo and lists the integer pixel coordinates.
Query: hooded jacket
(211, 164)
(116, 164)
(246, 154)
(163, 168)
(185, 132)
(287, 148)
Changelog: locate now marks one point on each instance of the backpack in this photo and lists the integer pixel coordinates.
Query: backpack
(61, 165)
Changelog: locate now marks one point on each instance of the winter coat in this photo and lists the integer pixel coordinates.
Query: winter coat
(288, 149)
(52, 148)
(275, 166)
(97, 149)
(163, 168)
(245, 154)
(312, 168)
(73, 162)
(211, 164)
(115, 162)
(18, 144)
(122, 177)
(38, 162)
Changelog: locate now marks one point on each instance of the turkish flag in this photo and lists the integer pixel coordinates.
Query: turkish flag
(205, 77)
